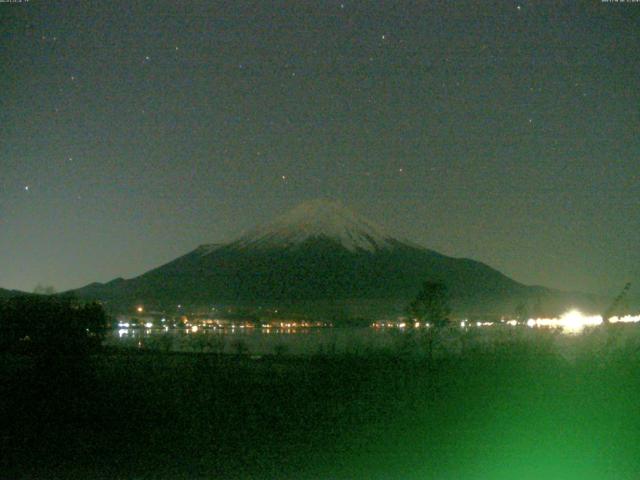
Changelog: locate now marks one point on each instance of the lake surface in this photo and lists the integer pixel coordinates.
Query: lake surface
(362, 340)
(258, 341)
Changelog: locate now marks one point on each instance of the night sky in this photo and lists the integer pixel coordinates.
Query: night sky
(132, 132)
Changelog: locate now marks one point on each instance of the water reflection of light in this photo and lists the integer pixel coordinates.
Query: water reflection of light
(123, 332)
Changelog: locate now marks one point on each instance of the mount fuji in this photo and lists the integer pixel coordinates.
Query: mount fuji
(318, 257)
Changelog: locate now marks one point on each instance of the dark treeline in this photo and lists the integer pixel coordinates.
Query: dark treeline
(55, 324)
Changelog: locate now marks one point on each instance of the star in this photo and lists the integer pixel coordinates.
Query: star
(519, 7)
(26, 188)
(384, 37)
(284, 177)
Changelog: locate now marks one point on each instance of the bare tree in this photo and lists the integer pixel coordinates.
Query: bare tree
(431, 305)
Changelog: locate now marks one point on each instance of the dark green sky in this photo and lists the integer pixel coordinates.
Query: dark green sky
(508, 132)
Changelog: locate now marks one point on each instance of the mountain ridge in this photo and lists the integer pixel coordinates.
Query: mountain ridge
(6, 293)
(319, 253)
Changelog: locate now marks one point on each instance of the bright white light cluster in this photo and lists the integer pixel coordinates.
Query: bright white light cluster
(570, 322)
(574, 321)
(625, 319)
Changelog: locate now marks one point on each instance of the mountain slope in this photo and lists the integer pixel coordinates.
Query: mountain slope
(4, 294)
(320, 253)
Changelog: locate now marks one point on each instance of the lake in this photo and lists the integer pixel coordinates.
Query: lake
(362, 340)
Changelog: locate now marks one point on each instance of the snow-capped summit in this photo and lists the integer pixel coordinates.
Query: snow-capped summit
(321, 218)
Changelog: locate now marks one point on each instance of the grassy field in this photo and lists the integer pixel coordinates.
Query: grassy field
(522, 411)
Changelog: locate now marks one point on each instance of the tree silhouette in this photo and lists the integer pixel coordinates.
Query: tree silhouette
(431, 305)
(51, 324)
(44, 289)
(522, 312)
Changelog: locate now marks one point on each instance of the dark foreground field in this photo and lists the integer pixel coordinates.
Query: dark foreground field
(519, 412)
